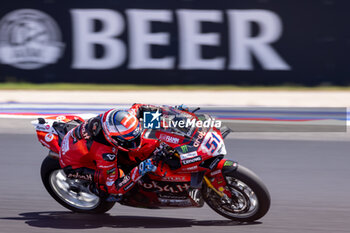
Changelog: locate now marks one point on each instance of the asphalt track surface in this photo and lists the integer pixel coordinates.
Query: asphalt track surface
(308, 181)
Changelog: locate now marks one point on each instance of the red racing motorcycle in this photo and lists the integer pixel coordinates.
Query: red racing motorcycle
(194, 159)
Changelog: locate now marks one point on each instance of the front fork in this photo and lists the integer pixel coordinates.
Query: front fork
(216, 181)
(211, 186)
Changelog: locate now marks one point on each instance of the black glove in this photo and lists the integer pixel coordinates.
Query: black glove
(161, 151)
(94, 126)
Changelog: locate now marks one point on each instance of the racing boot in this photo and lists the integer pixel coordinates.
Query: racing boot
(195, 196)
(125, 183)
(114, 198)
(194, 192)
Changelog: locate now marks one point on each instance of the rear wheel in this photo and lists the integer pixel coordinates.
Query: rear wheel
(73, 194)
(250, 199)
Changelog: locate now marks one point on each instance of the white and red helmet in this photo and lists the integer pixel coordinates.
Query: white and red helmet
(122, 129)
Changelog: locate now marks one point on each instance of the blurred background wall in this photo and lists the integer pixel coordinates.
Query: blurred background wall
(250, 42)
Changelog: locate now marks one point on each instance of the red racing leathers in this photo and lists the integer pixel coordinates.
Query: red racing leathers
(85, 154)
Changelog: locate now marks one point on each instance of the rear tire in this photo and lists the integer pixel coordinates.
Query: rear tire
(252, 182)
(51, 166)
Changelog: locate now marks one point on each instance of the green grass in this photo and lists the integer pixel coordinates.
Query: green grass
(128, 87)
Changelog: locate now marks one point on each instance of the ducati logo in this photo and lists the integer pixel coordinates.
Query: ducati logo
(29, 39)
(108, 157)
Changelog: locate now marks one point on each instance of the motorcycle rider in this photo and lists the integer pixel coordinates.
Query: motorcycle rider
(91, 151)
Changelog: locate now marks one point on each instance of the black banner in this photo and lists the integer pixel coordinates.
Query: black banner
(249, 42)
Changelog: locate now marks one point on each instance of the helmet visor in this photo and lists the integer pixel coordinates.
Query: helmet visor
(128, 144)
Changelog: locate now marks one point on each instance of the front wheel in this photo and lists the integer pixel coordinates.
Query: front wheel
(250, 199)
(73, 194)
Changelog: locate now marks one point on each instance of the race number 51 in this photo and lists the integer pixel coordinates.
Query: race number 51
(212, 143)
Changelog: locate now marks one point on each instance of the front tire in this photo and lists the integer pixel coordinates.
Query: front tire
(250, 199)
(72, 194)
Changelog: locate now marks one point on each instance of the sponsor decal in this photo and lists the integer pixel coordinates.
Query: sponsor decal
(169, 139)
(214, 163)
(166, 187)
(213, 144)
(228, 163)
(110, 180)
(61, 118)
(189, 155)
(125, 180)
(44, 143)
(151, 120)
(44, 128)
(175, 202)
(76, 175)
(193, 160)
(112, 176)
(109, 157)
(184, 149)
(177, 197)
(173, 178)
(215, 172)
(191, 168)
(197, 142)
(38, 127)
(129, 186)
(85, 134)
(134, 173)
(111, 171)
(65, 144)
(109, 183)
(136, 132)
(49, 137)
(106, 166)
(29, 39)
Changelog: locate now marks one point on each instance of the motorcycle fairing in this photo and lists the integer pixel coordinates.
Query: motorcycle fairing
(217, 175)
(47, 134)
(149, 193)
